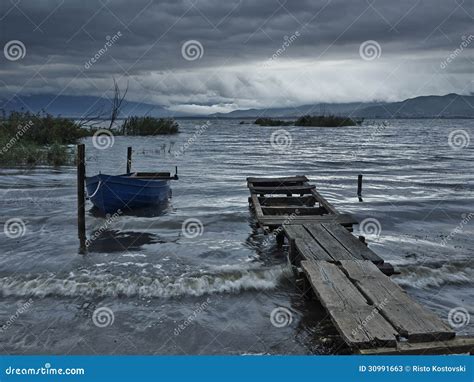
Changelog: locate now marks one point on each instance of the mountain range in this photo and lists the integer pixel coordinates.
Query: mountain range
(447, 106)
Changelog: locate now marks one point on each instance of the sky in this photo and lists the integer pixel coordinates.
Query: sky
(204, 56)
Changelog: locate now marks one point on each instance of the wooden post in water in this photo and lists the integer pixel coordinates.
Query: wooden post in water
(81, 196)
(359, 187)
(129, 159)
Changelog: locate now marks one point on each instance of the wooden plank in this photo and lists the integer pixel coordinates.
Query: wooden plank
(458, 345)
(281, 180)
(305, 243)
(286, 219)
(283, 189)
(329, 243)
(409, 318)
(359, 324)
(351, 243)
(299, 210)
(288, 201)
(324, 202)
(256, 206)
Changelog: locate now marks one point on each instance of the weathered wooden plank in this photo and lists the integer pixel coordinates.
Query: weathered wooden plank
(304, 243)
(359, 324)
(458, 345)
(409, 318)
(329, 243)
(281, 180)
(256, 206)
(288, 201)
(299, 210)
(274, 221)
(351, 243)
(282, 189)
(322, 200)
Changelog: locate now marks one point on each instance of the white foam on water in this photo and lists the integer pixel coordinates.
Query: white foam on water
(419, 276)
(109, 285)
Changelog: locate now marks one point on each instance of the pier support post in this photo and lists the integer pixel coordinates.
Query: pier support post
(81, 197)
(359, 187)
(129, 159)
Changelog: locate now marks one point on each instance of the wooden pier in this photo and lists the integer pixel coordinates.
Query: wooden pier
(372, 314)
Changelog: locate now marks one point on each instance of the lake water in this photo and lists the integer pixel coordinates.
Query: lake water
(156, 290)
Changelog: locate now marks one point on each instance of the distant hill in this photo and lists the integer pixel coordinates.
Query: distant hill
(447, 106)
(78, 106)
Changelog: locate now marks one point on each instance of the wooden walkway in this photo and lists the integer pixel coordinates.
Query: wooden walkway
(372, 314)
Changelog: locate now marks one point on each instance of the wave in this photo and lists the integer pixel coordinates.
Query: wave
(107, 285)
(419, 276)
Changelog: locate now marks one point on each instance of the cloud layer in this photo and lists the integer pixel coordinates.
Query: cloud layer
(247, 53)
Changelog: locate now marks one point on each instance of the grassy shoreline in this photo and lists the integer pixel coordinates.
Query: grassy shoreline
(43, 139)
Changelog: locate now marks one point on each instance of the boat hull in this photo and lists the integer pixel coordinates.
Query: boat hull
(110, 193)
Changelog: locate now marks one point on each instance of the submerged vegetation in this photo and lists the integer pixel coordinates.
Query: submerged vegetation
(34, 139)
(272, 122)
(324, 120)
(308, 120)
(27, 138)
(149, 126)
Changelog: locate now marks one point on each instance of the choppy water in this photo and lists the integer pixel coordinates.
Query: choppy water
(215, 293)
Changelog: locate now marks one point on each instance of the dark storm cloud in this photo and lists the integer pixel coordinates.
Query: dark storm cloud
(238, 37)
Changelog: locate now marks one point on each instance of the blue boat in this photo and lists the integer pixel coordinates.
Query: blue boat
(110, 193)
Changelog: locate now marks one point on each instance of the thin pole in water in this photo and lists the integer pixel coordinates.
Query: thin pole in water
(81, 196)
(129, 159)
(359, 187)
